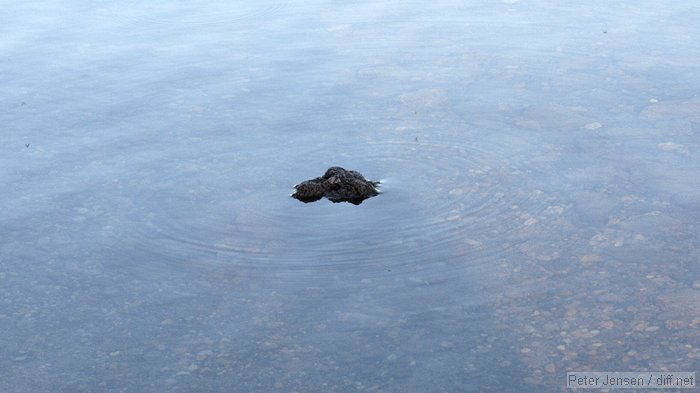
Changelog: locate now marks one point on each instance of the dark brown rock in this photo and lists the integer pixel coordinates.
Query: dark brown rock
(338, 185)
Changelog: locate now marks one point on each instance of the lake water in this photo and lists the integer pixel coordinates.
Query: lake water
(539, 210)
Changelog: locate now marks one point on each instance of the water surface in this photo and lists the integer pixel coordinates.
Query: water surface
(539, 208)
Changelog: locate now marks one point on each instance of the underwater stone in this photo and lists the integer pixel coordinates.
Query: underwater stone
(338, 185)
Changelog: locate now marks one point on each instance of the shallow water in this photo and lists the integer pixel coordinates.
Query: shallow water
(539, 209)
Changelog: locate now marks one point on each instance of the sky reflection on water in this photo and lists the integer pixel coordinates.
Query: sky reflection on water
(539, 208)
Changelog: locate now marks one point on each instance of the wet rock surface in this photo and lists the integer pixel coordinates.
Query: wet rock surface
(338, 185)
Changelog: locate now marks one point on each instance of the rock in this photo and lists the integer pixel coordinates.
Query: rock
(672, 146)
(683, 303)
(338, 185)
(593, 126)
(678, 109)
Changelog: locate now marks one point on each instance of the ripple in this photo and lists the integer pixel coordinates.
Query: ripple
(445, 206)
(477, 200)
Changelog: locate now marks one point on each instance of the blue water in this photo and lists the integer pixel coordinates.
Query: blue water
(539, 209)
